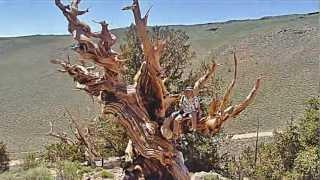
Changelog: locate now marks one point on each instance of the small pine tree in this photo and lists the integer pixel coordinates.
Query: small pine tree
(64, 152)
(111, 139)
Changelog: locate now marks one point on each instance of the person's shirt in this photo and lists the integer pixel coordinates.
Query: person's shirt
(189, 105)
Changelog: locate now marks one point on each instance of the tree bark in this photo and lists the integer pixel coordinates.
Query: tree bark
(140, 108)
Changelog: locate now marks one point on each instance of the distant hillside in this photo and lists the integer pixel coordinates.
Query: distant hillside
(284, 49)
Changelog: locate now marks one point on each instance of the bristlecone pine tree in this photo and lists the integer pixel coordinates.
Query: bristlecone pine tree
(140, 107)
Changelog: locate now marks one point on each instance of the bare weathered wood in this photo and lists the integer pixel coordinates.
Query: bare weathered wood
(202, 80)
(140, 108)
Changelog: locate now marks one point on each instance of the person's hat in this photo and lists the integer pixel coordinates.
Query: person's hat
(189, 88)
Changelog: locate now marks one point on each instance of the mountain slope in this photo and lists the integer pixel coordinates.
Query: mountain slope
(284, 49)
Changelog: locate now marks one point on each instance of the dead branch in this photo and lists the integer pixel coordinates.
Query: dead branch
(63, 137)
(226, 96)
(202, 80)
(81, 137)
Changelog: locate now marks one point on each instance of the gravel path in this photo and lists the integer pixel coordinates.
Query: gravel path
(252, 135)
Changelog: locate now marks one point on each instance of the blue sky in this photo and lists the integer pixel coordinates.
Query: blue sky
(28, 17)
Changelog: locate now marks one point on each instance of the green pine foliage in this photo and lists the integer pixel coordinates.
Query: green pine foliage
(174, 59)
(111, 139)
(201, 152)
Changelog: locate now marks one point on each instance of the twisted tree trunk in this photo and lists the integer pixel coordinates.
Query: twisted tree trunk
(140, 108)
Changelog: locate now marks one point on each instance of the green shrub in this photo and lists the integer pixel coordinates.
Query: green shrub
(106, 174)
(201, 153)
(307, 162)
(86, 169)
(211, 177)
(69, 170)
(8, 176)
(30, 161)
(38, 173)
(63, 152)
(4, 158)
(111, 138)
